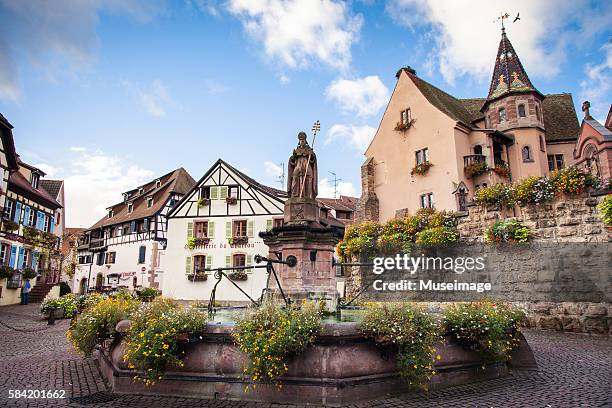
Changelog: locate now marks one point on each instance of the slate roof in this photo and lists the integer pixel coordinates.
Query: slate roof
(560, 118)
(509, 76)
(344, 203)
(52, 187)
(8, 142)
(18, 183)
(601, 129)
(177, 181)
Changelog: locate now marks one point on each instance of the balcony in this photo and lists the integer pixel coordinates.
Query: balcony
(474, 159)
(96, 243)
(240, 240)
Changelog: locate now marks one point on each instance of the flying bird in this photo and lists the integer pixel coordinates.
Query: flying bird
(517, 17)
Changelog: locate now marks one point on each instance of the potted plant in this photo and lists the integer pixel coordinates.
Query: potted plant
(203, 202)
(421, 168)
(6, 272)
(202, 241)
(197, 277)
(28, 273)
(146, 294)
(10, 225)
(475, 169)
(238, 240)
(231, 200)
(238, 276)
(403, 126)
(502, 170)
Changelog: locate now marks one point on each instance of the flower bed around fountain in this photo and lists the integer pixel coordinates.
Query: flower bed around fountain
(341, 367)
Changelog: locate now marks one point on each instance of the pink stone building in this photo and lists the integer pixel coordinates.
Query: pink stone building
(593, 150)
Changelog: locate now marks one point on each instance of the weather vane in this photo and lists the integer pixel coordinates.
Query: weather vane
(504, 16)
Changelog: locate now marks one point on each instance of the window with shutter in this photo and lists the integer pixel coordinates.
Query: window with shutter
(201, 229)
(17, 216)
(20, 258)
(223, 192)
(211, 229)
(199, 262)
(214, 193)
(249, 262)
(228, 261)
(250, 229)
(209, 262)
(13, 257)
(188, 266)
(228, 229)
(26, 215)
(268, 225)
(142, 254)
(189, 230)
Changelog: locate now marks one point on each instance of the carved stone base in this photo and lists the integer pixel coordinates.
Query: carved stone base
(301, 211)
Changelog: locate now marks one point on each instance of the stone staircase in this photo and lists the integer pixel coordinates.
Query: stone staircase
(39, 291)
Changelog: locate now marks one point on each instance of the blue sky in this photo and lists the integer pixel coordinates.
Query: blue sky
(109, 94)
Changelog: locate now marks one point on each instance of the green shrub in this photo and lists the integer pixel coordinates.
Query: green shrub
(88, 300)
(98, 322)
(271, 333)
(486, 327)
(605, 210)
(67, 304)
(152, 343)
(6, 272)
(146, 294)
(411, 332)
(499, 194)
(359, 238)
(507, 231)
(436, 236)
(28, 273)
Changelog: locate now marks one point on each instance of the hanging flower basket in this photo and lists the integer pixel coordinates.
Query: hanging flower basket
(421, 169)
(203, 202)
(401, 127)
(476, 169)
(10, 225)
(502, 170)
(238, 276)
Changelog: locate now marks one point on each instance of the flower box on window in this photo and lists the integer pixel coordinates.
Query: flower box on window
(231, 200)
(238, 240)
(238, 276)
(474, 169)
(421, 169)
(502, 170)
(202, 202)
(10, 225)
(403, 126)
(14, 282)
(197, 277)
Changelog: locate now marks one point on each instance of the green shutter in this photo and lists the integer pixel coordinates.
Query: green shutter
(223, 193)
(228, 261)
(188, 265)
(214, 193)
(189, 230)
(268, 225)
(208, 261)
(211, 229)
(250, 229)
(228, 229)
(249, 260)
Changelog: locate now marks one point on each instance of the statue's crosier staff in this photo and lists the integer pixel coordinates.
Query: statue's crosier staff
(316, 127)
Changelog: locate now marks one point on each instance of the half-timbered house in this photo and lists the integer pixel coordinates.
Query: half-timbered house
(217, 225)
(125, 247)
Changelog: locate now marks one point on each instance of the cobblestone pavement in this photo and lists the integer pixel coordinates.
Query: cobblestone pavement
(575, 371)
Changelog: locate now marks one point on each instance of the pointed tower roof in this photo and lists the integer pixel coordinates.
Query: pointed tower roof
(509, 76)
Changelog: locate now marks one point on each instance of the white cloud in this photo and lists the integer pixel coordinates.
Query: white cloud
(326, 188)
(273, 169)
(362, 96)
(57, 37)
(464, 29)
(597, 85)
(284, 79)
(50, 170)
(78, 149)
(358, 136)
(94, 182)
(301, 32)
(155, 99)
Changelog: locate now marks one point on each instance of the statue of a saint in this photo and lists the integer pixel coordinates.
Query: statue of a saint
(302, 170)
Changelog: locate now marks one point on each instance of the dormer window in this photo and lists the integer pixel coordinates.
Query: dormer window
(149, 202)
(34, 180)
(140, 191)
(126, 197)
(502, 115)
(110, 213)
(157, 183)
(130, 207)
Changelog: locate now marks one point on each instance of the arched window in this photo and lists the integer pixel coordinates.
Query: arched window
(502, 114)
(521, 110)
(589, 151)
(526, 151)
(478, 149)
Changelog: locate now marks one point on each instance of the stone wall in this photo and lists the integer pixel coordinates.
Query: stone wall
(567, 219)
(367, 206)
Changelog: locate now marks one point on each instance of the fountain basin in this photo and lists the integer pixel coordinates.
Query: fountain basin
(341, 367)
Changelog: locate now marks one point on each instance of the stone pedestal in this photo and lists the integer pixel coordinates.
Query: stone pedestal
(314, 276)
(301, 211)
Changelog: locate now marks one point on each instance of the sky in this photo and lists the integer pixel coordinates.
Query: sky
(109, 94)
